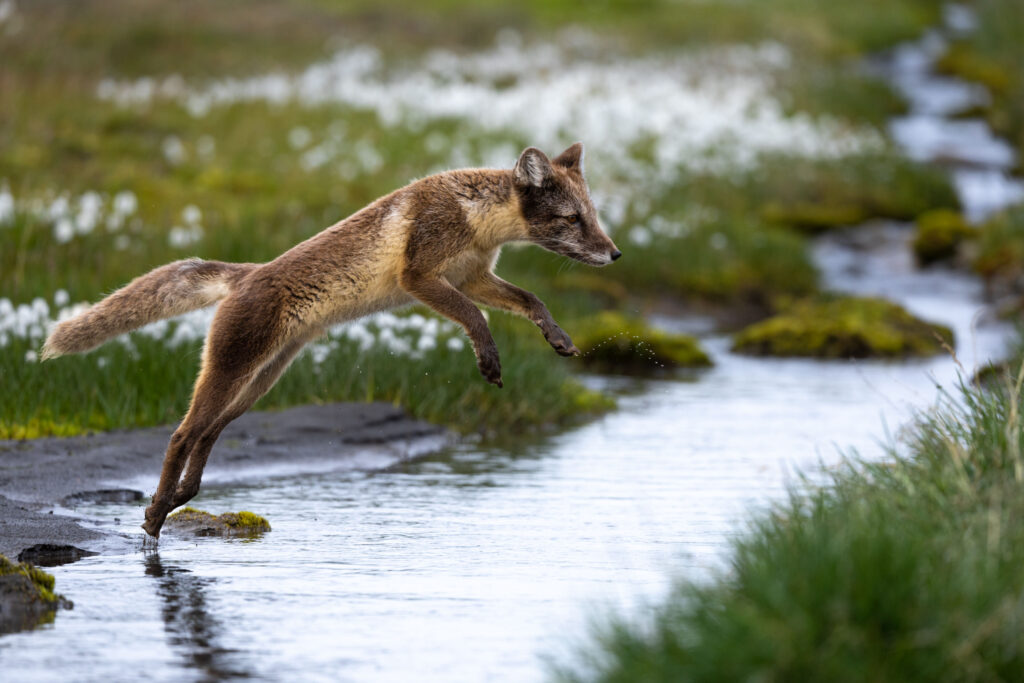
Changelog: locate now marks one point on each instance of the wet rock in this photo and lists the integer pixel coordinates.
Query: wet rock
(843, 327)
(189, 521)
(52, 555)
(27, 599)
(612, 342)
(103, 496)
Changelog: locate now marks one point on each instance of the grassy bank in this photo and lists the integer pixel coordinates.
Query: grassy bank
(904, 570)
(100, 181)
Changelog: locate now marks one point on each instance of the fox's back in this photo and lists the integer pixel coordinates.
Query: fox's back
(354, 267)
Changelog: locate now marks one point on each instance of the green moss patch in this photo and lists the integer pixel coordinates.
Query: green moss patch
(42, 582)
(27, 597)
(938, 235)
(189, 520)
(843, 327)
(612, 342)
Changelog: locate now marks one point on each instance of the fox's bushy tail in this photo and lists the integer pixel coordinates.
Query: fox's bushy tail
(165, 292)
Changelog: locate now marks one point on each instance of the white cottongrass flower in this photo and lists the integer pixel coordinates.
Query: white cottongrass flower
(180, 237)
(640, 236)
(70, 216)
(410, 336)
(191, 215)
(709, 110)
(7, 10)
(316, 157)
(90, 206)
(58, 208)
(299, 137)
(63, 230)
(174, 150)
(6, 204)
(125, 203)
(319, 352)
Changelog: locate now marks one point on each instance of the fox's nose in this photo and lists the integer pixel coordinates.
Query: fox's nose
(615, 255)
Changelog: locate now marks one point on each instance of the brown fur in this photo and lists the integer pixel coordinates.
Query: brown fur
(435, 241)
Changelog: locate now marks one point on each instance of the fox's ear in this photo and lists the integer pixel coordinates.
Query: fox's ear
(571, 158)
(533, 167)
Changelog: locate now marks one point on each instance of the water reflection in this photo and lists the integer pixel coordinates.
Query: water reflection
(192, 631)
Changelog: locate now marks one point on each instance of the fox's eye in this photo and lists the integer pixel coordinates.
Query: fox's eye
(573, 218)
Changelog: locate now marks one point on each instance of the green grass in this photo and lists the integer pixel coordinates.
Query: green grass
(151, 384)
(902, 570)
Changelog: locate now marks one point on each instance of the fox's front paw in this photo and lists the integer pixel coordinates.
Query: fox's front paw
(560, 341)
(490, 365)
(154, 521)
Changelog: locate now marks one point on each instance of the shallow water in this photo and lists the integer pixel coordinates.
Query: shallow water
(476, 563)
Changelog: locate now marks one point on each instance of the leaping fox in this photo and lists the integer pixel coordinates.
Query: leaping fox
(435, 241)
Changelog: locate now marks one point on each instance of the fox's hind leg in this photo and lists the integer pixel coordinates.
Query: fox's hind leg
(213, 391)
(238, 350)
(260, 385)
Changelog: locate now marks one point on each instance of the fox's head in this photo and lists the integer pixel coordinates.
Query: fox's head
(556, 205)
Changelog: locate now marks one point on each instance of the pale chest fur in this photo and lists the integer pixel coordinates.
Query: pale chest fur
(469, 264)
(492, 224)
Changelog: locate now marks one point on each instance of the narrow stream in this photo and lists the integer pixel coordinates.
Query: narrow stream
(474, 564)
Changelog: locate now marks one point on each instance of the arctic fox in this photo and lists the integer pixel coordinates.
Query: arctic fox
(435, 241)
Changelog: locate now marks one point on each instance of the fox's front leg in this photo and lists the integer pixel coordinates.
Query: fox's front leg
(491, 290)
(438, 293)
